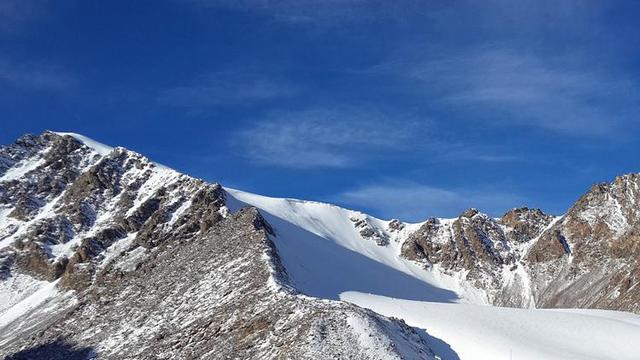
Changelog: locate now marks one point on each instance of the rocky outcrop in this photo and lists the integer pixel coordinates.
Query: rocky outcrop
(482, 248)
(586, 259)
(368, 231)
(524, 224)
(590, 257)
(469, 242)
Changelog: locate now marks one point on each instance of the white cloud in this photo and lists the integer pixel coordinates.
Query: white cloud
(324, 138)
(505, 87)
(227, 88)
(322, 13)
(415, 202)
(14, 14)
(327, 12)
(35, 76)
(351, 137)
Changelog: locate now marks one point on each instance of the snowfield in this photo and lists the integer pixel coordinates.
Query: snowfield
(487, 332)
(325, 256)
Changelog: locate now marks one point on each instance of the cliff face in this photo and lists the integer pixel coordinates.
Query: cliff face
(109, 255)
(588, 258)
(489, 251)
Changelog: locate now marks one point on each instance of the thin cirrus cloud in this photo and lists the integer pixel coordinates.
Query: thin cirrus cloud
(342, 137)
(227, 88)
(321, 13)
(323, 138)
(15, 14)
(44, 77)
(505, 87)
(415, 202)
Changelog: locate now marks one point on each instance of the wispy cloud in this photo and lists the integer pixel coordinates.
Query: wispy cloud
(458, 151)
(322, 13)
(227, 88)
(14, 14)
(323, 138)
(44, 77)
(415, 202)
(506, 87)
(352, 137)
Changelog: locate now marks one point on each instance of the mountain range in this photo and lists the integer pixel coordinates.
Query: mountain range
(105, 254)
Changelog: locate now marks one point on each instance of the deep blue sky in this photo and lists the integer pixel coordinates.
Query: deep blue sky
(401, 108)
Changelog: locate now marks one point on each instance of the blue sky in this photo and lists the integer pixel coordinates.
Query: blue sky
(404, 109)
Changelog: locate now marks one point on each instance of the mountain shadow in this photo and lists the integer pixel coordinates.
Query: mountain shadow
(57, 350)
(321, 268)
(439, 347)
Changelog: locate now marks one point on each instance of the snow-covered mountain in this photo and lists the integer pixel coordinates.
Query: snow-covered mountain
(105, 254)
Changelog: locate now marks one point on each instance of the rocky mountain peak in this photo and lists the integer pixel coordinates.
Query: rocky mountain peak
(135, 260)
(467, 242)
(524, 224)
(604, 220)
(469, 213)
(592, 250)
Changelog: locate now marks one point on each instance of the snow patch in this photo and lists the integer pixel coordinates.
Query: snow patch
(21, 169)
(27, 304)
(98, 147)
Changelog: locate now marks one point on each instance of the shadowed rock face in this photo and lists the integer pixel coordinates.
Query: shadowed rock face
(161, 268)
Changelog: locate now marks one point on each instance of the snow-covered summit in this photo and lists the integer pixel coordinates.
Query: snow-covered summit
(98, 147)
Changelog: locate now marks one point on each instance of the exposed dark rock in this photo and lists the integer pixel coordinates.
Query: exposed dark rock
(33, 259)
(600, 232)
(525, 224)
(369, 232)
(551, 246)
(469, 213)
(396, 225)
(470, 242)
(7, 259)
(26, 207)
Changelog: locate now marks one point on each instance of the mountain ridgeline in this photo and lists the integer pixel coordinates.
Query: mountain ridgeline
(102, 247)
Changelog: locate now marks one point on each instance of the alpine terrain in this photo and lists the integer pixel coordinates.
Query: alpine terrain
(105, 254)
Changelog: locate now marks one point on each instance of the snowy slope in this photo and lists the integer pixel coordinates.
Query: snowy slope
(325, 254)
(326, 257)
(98, 147)
(486, 332)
